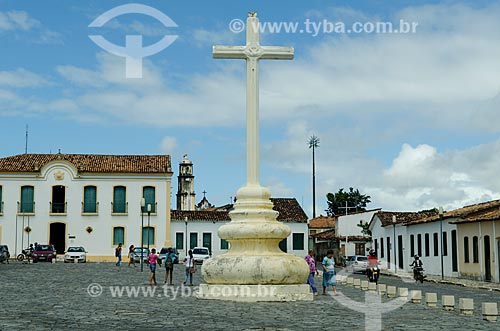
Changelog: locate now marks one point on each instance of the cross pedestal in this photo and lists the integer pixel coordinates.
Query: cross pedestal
(254, 268)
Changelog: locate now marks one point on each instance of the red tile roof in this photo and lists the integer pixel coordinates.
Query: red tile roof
(288, 208)
(322, 222)
(472, 213)
(89, 163)
(401, 217)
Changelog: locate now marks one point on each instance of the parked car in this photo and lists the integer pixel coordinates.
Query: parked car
(357, 263)
(163, 254)
(73, 253)
(201, 254)
(4, 253)
(137, 254)
(44, 253)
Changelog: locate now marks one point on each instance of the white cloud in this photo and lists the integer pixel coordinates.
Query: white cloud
(278, 188)
(17, 20)
(22, 78)
(168, 144)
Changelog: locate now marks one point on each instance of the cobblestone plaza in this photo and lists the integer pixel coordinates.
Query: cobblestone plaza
(61, 296)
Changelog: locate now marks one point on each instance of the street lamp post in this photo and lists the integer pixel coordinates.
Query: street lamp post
(149, 218)
(441, 234)
(143, 204)
(314, 143)
(186, 222)
(394, 242)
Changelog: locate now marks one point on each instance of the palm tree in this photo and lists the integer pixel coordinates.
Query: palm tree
(314, 143)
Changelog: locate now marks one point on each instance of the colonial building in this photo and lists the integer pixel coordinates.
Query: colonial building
(398, 236)
(478, 228)
(92, 201)
(198, 228)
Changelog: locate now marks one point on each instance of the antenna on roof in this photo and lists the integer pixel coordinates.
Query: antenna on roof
(26, 141)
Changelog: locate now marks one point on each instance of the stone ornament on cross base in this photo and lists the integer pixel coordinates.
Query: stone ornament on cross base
(254, 268)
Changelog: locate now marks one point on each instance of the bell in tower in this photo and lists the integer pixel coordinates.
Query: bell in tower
(185, 192)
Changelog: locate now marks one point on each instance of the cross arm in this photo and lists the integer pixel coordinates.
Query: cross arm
(229, 52)
(277, 53)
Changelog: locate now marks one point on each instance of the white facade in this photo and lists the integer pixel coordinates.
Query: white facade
(94, 231)
(206, 229)
(347, 226)
(400, 255)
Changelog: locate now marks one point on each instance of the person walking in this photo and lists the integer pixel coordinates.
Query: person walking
(311, 261)
(118, 254)
(131, 256)
(169, 265)
(190, 268)
(329, 272)
(152, 259)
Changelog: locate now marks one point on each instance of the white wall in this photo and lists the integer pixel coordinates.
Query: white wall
(201, 227)
(347, 225)
(432, 263)
(97, 243)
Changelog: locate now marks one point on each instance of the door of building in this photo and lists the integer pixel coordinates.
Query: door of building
(57, 237)
(487, 259)
(400, 252)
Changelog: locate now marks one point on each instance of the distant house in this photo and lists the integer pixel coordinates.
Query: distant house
(192, 228)
(350, 235)
(341, 233)
(321, 224)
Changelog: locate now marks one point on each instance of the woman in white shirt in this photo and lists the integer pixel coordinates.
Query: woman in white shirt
(190, 267)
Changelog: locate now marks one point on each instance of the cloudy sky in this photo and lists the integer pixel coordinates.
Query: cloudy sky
(411, 119)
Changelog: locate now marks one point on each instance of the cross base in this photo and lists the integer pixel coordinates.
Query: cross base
(256, 293)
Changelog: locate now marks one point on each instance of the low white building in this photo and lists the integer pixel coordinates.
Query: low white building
(414, 233)
(92, 201)
(201, 227)
(352, 240)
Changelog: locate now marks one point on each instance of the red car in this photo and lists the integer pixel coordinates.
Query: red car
(44, 253)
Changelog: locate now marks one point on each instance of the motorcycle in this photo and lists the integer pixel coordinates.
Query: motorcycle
(373, 274)
(25, 254)
(418, 274)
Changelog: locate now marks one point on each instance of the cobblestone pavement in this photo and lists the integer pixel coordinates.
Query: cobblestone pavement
(46, 296)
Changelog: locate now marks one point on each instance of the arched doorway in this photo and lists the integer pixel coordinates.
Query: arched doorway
(57, 236)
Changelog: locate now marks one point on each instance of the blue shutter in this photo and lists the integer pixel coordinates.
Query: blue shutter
(118, 235)
(89, 199)
(27, 196)
(149, 197)
(151, 232)
(179, 240)
(119, 196)
(1, 201)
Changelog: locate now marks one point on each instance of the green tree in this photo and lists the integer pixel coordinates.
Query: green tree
(365, 228)
(352, 199)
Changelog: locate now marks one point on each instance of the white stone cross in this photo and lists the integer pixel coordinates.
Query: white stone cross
(252, 53)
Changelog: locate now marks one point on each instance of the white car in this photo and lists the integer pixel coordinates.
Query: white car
(77, 253)
(201, 254)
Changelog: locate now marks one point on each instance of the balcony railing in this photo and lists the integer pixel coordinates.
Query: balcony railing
(90, 208)
(24, 208)
(119, 209)
(58, 207)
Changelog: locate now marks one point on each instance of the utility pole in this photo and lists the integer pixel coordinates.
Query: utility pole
(26, 141)
(314, 143)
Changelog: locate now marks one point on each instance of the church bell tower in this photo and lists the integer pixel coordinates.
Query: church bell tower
(185, 192)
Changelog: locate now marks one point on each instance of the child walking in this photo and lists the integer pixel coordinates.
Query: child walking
(190, 268)
(131, 256)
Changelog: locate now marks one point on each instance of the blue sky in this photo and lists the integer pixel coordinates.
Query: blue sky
(410, 119)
